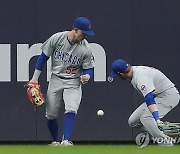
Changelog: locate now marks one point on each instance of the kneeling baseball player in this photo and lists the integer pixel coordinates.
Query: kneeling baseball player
(160, 96)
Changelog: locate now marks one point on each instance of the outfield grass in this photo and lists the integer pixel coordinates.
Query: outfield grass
(88, 149)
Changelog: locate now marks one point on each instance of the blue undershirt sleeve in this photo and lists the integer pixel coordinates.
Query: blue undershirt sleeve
(42, 59)
(155, 115)
(89, 71)
(149, 98)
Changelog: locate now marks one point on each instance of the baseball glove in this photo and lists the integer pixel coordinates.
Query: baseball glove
(170, 129)
(34, 93)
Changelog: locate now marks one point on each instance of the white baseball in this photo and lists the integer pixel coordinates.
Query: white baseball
(100, 113)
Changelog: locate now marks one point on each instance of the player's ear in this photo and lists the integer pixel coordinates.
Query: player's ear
(121, 76)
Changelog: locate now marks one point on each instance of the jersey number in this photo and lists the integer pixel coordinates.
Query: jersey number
(71, 70)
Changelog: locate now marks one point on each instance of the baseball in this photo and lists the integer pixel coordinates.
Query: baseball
(100, 113)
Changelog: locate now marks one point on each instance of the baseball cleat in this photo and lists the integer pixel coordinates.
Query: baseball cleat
(54, 143)
(66, 143)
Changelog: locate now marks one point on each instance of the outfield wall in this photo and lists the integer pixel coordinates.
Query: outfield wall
(141, 32)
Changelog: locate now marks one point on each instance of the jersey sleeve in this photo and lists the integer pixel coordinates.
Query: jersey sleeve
(49, 45)
(88, 60)
(145, 85)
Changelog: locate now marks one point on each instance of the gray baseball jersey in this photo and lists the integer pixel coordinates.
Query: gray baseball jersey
(68, 60)
(148, 79)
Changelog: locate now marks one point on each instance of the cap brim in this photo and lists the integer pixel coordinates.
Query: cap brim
(113, 75)
(89, 33)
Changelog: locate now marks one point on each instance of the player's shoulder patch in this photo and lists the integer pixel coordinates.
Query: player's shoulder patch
(143, 88)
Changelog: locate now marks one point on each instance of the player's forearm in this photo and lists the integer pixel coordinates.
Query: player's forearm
(154, 111)
(42, 59)
(151, 104)
(35, 76)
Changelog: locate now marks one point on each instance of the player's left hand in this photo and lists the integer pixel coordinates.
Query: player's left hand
(170, 129)
(84, 78)
(34, 93)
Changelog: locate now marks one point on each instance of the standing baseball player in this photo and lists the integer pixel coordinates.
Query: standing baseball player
(72, 65)
(159, 93)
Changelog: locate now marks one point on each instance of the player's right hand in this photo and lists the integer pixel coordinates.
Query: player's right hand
(84, 78)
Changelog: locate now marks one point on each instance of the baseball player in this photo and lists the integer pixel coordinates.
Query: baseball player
(72, 65)
(159, 93)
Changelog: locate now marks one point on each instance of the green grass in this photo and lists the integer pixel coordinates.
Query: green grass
(88, 149)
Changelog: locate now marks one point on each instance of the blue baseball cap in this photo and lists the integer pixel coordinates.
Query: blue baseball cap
(118, 66)
(84, 24)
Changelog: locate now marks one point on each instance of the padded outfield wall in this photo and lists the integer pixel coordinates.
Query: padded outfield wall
(141, 32)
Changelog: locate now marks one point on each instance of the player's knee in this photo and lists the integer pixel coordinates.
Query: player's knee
(133, 122)
(130, 122)
(51, 117)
